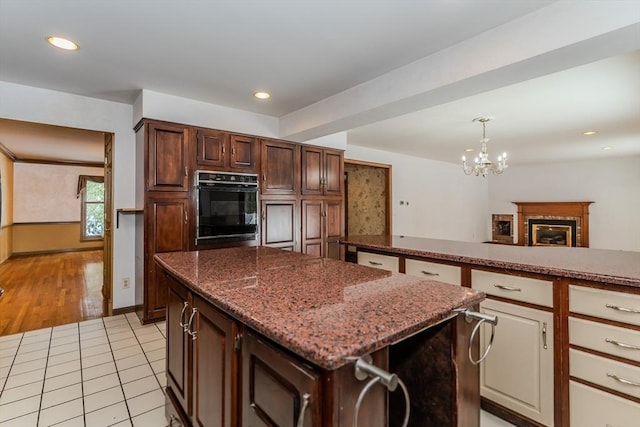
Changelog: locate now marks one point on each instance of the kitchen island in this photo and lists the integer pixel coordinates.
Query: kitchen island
(567, 350)
(260, 336)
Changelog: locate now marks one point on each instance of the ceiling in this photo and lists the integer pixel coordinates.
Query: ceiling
(303, 52)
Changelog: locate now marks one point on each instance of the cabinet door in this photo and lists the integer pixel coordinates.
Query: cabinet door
(280, 167)
(312, 171)
(168, 158)
(313, 227)
(518, 372)
(277, 390)
(333, 173)
(279, 229)
(215, 368)
(334, 224)
(244, 154)
(212, 148)
(178, 342)
(166, 222)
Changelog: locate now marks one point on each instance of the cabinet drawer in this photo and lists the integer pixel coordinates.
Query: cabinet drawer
(599, 370)
(432, 270)
(591, 407)
(605, 338)
(384, 262)
(610, 305)
(518, 288)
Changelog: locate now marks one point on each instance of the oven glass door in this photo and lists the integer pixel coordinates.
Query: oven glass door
(229, 213)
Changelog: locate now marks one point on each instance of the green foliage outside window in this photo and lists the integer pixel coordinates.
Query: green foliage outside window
(94, 210)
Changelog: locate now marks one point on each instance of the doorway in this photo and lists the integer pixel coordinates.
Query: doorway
(48, 238)
(367, 200)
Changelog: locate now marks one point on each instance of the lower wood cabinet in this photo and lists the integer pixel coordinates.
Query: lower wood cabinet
(518, 372)
(322, 225)
(277, 390)
(279, 225)
(202, 360)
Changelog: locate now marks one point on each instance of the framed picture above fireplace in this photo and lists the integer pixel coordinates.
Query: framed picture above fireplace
(502, 228)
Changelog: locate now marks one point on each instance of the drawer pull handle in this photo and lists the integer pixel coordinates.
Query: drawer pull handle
(180, 322)
(375, 263)
(507, 288)
(623, 380)
(428, 273)
(305, 403)
(621, 344)
(544, 335)
(625, 309)
(193, 333)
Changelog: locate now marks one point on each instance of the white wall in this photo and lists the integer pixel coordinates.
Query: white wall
(444, 203)
(32, 104)
(155, 105)
(47, 193)
(612, 183)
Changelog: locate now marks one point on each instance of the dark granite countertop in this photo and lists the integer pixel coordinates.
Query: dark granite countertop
(326, 311)
(600, 265)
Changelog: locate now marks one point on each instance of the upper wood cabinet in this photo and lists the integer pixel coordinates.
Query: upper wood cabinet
(221, 151)
(280, 167)
(322, 171)
(168, 157)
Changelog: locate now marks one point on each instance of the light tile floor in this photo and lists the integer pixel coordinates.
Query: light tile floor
(102, 372)
(98, 373)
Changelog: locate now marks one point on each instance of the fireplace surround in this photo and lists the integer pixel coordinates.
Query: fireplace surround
(553, 223)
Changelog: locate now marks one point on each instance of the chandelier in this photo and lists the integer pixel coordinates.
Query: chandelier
(482, 164)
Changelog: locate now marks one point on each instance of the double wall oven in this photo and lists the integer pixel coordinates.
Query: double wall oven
(227, 206)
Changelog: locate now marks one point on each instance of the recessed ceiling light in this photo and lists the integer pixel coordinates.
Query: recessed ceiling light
(468, 150)
(589, 132)
(62, 43)
(262, 95)
(607, 148)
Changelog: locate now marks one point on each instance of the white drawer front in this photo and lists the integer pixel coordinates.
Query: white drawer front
(591, 407)
(524, 289)
(599, 370)
(605, 338)
(610, 305)
(384, 262)
(432, 270)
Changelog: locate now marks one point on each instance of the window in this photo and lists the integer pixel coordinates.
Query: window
(93, 211)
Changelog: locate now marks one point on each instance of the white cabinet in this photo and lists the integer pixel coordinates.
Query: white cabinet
(524, 289)
(518, 372)
(592, 407)
(605, 355)
(383, 262)
(434, 271)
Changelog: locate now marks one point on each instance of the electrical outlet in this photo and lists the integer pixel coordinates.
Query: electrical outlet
(125, 283)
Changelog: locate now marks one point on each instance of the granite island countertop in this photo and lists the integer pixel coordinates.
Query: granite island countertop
(324, 310)
(600, 265)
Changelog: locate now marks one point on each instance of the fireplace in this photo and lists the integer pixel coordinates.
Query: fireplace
(546, 232)
(558, 224)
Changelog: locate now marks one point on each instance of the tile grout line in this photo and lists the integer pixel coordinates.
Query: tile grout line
(15, 355)
(44, 377)
(124, 396)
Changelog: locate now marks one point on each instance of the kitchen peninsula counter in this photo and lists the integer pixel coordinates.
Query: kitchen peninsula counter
(598, 265)
(268, 310)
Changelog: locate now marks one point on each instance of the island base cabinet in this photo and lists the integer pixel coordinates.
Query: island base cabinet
(592, 407)
(518, 372)
(277, 390)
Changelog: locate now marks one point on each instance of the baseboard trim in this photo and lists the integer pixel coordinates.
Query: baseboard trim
(55, 251)
(125, 310)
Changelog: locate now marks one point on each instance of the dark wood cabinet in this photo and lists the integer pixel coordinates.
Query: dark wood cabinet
(167, 231)
(279, 224)
(322, 171)
(280, 167)
(322, 226)
(277, 390)
(220, 151)
(202, 360)
(168, 157)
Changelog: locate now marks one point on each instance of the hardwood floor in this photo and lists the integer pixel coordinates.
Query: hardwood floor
(41, 291)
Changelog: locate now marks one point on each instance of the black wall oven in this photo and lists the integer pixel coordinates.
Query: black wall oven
(227, 206)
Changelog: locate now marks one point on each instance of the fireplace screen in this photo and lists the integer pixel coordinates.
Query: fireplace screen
(551, 235)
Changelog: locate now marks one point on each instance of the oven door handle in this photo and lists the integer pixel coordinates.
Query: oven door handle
(228, 188)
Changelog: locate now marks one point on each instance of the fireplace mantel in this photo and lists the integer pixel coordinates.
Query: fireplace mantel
(554, 210)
